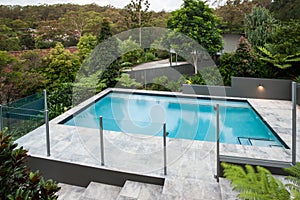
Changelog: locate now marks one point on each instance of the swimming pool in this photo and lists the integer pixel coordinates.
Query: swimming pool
(187, 118)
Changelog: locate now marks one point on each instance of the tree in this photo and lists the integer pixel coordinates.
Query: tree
(197, 21)
(8, 39)
(138, 17)
(86, 45)
(17, 181)
(62, 66)
(17, 78)
(80, 22)
(131, 51)
(233, 14)
(105, 31)
(244, 63)
(283, 49)
(48, 34)
(286, 10)
(259, 25)
(285, 38)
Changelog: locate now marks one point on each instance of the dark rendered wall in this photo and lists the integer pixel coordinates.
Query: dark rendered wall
(248, 88)
(240, 86)
(173, 73)
(80, 175)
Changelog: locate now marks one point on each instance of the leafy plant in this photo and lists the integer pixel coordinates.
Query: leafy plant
(16, 181)
(297, 79)
(259, 24)
(225, 68)
(163, 83)
(207, 76)
(255, 184)
(128, 82)
(294, 180)
(60, 100)
(278, 60)
(244, 62)
(160, 83)
(196, 20)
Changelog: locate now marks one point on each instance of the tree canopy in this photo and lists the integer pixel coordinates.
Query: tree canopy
(196, 20)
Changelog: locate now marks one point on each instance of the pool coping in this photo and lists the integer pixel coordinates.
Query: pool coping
(251, 101)
(64, 117)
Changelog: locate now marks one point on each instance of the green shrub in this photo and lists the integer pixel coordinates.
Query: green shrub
(225, 68)
(16, 181)
(128, 82)
(60, 100)
(207, 76)
(160, 83)
(297, 79)
(149, 57)
(163, 83)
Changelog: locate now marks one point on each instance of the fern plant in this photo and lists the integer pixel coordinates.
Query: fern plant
(294, 180)
(255, 184)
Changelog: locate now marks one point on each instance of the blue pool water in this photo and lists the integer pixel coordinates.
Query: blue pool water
(187, 118)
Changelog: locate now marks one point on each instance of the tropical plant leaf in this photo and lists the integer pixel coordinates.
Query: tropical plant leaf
(265, 51)
(294, 179)
(254, 183)
(283, 66)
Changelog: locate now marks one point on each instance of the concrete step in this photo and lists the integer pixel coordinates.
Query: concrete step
(69, 192)
(192, 189)
(140, 191)
(96, 191)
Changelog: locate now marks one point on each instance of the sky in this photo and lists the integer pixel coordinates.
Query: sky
(156, 5)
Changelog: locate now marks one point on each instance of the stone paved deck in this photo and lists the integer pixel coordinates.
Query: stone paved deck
(191, 164)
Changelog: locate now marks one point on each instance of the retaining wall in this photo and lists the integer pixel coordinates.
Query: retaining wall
(248, 88)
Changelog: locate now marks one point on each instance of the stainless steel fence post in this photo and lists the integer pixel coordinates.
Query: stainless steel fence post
(217, 109)
(101, 141)
(165, 148)
(47, 123)
(294, 121)
(1, 118)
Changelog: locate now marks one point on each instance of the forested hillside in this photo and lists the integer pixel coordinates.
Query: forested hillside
(42, 26)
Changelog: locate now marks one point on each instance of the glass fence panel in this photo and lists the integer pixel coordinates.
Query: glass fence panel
(22, 116)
